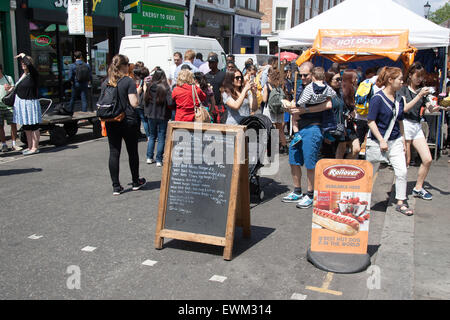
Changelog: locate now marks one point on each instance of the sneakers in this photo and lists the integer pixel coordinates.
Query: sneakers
(150, 161)
(292, 197)
(5, 148)
(16, 148)
(423, 194)
(295, 140)
(117, 190)
(29, 152)
(141, 182)
(305, 203)
(159, 164)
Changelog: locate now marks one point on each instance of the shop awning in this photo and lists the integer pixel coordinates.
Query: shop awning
(361, 45)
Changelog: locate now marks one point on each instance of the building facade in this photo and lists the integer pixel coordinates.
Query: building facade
(42, 32)
(281, 15)
(7, 37)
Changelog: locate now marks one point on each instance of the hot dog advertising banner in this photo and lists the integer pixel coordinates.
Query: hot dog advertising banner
(341, 207)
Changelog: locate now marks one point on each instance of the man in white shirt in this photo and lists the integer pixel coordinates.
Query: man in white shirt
(177, 60)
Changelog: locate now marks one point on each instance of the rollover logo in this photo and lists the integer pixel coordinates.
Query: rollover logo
(343, 173)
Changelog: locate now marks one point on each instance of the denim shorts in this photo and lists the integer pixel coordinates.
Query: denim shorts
(307, 151)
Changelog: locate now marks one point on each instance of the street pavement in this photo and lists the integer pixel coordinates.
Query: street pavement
(57, 206)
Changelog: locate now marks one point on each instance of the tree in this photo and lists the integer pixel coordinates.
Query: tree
(441, 15)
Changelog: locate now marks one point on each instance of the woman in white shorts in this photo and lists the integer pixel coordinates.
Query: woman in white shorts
(415, 95)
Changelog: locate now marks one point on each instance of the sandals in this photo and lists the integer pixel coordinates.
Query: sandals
(404, 209)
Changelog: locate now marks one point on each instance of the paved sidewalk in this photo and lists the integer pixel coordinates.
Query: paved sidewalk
(413, 257)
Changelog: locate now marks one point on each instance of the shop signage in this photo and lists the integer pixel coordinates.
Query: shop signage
(88, 27)
(42, 40)
(247, 26)
(159, 19)
(75, 20)
(131, 6)
(108, 8)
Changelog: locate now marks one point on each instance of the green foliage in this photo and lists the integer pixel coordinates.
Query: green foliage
(440, 15)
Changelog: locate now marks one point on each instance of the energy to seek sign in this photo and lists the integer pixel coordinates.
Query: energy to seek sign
(160, 19)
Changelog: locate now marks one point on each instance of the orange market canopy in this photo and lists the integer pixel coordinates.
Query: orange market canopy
(361, 45)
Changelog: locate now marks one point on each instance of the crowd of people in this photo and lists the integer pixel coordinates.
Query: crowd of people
(322, 107)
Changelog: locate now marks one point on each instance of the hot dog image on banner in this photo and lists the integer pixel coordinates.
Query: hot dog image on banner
(341, 208)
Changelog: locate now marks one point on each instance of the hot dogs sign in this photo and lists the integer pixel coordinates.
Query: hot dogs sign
(341, 208)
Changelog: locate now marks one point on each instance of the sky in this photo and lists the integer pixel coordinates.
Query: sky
(417, 5)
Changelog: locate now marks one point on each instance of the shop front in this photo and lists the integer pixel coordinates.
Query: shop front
(158, 18)
(6, 53)
(42, 32)
(212, 23)
(247, 33)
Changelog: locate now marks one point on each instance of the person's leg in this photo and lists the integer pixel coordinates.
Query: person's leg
(408, 152)
(2, 133)
(144, 121)
(295, 161)
(152, 138)
(36, 135)
(84, 95)
(397, 159)
(72, 98)
(162, 128)
(296, 173)
(340, 150)
(115, 146)
(131, 141)
(283, 141)
(13, 133)
(425, 155)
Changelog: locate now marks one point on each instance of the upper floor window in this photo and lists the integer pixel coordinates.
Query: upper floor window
(252, 5)
(280, 18)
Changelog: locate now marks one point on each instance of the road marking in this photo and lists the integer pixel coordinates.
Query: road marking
(149, 263)
(325, 285)
(298, 296)
(34, 237)
(218, 278)
(88, 249)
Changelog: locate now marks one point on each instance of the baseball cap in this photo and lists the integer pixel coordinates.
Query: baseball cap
(213, 58)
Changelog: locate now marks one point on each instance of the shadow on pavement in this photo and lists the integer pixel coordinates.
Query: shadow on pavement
(240, 245)
(18, 171)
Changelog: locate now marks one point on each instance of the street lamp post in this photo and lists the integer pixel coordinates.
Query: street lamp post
(426, 10)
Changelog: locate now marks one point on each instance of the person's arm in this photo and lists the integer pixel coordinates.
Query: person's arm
(422, 93)
(236, 104)
(252, 98)
(376, 133)
(265, 93)
(306, 95)
(132, 93)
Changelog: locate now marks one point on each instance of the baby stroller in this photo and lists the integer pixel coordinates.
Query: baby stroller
(257, 122)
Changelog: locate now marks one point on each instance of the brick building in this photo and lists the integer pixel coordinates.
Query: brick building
(281, 15)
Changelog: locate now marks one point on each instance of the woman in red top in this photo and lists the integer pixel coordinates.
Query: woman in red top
(182, 96)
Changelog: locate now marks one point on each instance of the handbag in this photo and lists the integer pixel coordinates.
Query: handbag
(10, 97)
(373, 150)
(201, 113)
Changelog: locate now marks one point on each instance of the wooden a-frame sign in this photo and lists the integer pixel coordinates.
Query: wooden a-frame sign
(236, 204)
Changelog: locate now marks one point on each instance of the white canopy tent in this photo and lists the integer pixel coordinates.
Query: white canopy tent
(367, 14)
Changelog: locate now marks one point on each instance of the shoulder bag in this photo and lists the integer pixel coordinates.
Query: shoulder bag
(201, 113)
(10, 97)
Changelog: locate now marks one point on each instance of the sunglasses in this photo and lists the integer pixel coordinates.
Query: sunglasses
(238, 78)
(338, 79)
(304, 75)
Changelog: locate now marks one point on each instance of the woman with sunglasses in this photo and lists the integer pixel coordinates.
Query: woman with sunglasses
(238, 97)
(416, 97)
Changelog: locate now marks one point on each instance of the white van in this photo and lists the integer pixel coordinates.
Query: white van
(158, 49)
(258, 59)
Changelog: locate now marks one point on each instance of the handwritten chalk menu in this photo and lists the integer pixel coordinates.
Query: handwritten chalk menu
(199, 192)
(204, 190)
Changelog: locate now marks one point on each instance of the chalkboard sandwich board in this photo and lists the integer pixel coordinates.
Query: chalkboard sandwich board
(204, 191)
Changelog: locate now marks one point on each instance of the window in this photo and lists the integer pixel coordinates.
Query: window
(222, 3)
(252, 5)
(307, 9)
(297, 12)
(241, 3)
(315, 9)
(325, 5)
(280, 18)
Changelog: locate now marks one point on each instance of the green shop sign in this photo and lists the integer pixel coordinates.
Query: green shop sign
(159, 19)
(108, 8)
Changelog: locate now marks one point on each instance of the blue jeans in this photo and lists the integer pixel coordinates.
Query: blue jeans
(82, 90)
(307, 151)
(157, 128)
(144, 121)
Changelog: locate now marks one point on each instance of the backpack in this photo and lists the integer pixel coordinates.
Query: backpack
(274, 101)
(362, 97)
(82, 72)
(108, 104)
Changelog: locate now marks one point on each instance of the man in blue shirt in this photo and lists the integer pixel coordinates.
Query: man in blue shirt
(189, 57)
(79, 74)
